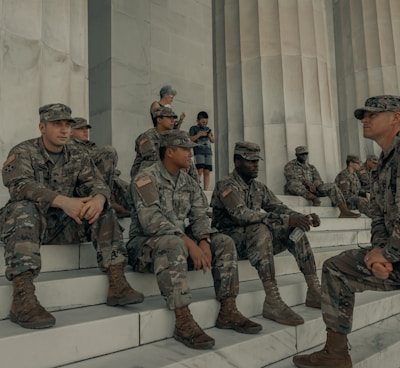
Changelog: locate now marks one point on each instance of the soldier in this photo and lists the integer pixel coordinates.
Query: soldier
(238, 204)
(303, 179)
(105, 159)
(375, 268)
(167, 200)
(349, 184)
(56, 194)
(364, 174)
(147, 145)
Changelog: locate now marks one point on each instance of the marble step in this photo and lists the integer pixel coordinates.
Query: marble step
(332, 232)
(77, 288)
(273, 344)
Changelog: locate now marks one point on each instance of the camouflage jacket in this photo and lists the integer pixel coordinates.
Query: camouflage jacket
(298, 174)
(385, 202)
(88, 146)
(147, 147)
(364, 175)
(164, 207)
(236, 203)
(349, 184)
(29, 173)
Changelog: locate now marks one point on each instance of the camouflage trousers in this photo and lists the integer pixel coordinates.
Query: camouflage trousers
(359, 203)
(258, 244)
(25, 229)
(332, 191)
(342, 277)
(167, 256)
(106, 160)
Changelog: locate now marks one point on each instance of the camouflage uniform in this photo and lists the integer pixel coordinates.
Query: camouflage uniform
(258, 235)
(105, 159)
(364, 176)
(34, 180)
(350, 186)
(346, 274)
(165, 209)
(297, 174)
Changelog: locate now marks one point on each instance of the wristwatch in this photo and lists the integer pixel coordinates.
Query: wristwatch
(208, 240)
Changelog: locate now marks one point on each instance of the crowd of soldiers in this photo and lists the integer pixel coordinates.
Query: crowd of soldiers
(64, 189)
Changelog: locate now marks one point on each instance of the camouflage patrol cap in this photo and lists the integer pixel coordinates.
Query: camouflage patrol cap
(176, 138)
(248, 150)
(353, 158)
(55, 112)
(373, 158)
(164, 111)
(301, 149)
(378, 104)
(80, 123)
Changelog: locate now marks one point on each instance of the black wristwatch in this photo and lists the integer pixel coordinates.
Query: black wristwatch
(208, 240)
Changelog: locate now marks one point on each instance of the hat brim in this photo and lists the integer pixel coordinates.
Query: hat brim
(77, 126)
(187, 145)
(359, 113)
(250, 157)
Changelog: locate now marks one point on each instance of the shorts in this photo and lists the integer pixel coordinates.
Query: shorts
(203, 161)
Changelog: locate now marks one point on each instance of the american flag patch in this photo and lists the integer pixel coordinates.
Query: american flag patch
(226, 192)
(141, 182)
(143, 141)
(10, 159)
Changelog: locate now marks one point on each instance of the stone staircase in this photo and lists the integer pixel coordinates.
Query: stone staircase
(90, 334)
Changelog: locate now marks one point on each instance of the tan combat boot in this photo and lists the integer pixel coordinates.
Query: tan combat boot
(188, 332)
(313, 298)
(335, 354)
(119, 291)
(345, 212)
(230, 318)
(316, 202)
(275, 308)
(26, 309)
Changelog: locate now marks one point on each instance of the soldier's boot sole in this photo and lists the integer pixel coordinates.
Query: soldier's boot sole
(132, 298)
(304, 361)
(38, 324)
(286, 317)
(200, 342)
(246, 327)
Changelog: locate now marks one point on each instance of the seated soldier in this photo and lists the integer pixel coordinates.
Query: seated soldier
(105, 159)
(348, 182)
(364, 174)
(174, 233)
(303, 179)
(56, 195)
(260, 226)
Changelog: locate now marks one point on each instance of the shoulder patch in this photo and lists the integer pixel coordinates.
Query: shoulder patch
(143, 141)
(143, 181)
(226, 192)
(9, 160)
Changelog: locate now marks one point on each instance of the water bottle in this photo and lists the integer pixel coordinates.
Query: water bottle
(297, 233)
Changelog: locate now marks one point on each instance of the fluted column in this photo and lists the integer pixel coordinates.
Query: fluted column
(280, 82)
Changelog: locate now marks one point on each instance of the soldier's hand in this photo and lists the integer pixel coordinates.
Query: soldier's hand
(316, 221)
(311, 186)
(72, 206)
(300, 221)
(382, 270)
(93, 208)
(378, 264)
(198, 256)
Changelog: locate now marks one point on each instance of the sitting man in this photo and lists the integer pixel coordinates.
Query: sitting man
(260, 226)
(56, 194)
(364, 174)
(105, 159)
(167, 199)
(303, 179)
(349, 184)
(375, 268)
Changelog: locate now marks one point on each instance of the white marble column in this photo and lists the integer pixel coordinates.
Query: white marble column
(43, 45)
